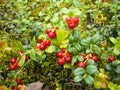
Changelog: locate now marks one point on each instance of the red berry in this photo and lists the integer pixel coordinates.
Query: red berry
(40, 40)
(95, 58)
(26, 58)
(76, 20)
(38, 45)
(81, 64)
(61, 61)
(48, 30)
(60, 54)
(111, 59)
(51, 35)
(18, 81)
(71, 26)
(12, 67)
(69, 20)
(42, 46)
(20, 52)
(13, 61)
(47, 42)
(68, 59)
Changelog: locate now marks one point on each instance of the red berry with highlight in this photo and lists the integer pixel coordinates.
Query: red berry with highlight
(61, 61)
(47, 42)
(95, 58)
(13, 61)
(42, 46)
(12, 67)
(71, 26)
(81, 64)
(51, 35)
(18, 81)
(69, 20)
(68, 58)
(76, 20)
(48, 30)
(60, 54)
(111, 59)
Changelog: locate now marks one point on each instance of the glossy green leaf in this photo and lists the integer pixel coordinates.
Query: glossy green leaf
(114, 41)
(90, 62)
(50, 49)
(117, 70)
(77, 46)
(114, 63)
(33, 42)
(74, 60)
(84, 42)
(76, 12)
(55, 19)
(108, 67)
(61, 35)
(80, 58)
(67, 65)
(74, 51)
(71, 38)
(42, 36)
(96, 49)
(76, 35)
(64, 10)
(89, 79)
(95, 39)
(20, 46)
(116, 49)
(78, 78)
(79, 71)
(91, 69)
(32, 55)
(88, 50)
(21, 61)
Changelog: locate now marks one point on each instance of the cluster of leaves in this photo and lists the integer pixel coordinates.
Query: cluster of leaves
(23, 22)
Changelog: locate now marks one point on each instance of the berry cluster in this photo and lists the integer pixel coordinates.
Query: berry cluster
(18, 81)
(92, 56)
(14, 61)
(19, 86)
(51, 34)
(72, 22)
(42, 45)
(14, 64)
(64, 57)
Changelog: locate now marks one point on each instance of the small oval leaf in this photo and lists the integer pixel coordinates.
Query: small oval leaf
(78, 78)
(21, 61)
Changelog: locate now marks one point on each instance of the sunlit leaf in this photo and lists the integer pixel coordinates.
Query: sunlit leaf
(21, 61)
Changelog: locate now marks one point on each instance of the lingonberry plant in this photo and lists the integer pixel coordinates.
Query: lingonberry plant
(65, 44)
